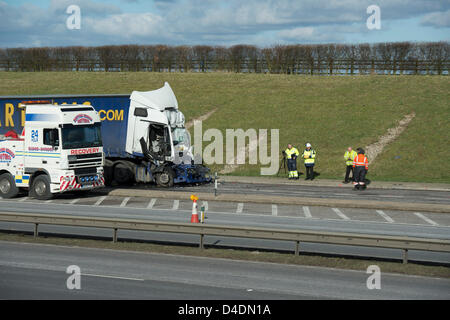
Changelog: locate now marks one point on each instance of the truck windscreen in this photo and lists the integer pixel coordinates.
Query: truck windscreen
(81, 136)
(181, 136)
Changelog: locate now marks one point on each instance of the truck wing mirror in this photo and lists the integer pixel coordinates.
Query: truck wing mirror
(54, 138)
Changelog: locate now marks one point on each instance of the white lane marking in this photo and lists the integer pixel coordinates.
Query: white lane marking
(385, 216)
(125, 201)
(240, 207)
(431, 198)
(99, 201)
(307, 212)
(23, 199)
(74, 201)
(136, 209)
(176, 204)
(426, 219)
(49, 201)
(340, 214)
(151, 203)
(274, 210)
(112, 277)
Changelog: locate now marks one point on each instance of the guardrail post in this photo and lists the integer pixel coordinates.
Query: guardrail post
(201, 241)
(297, 245)
(115, 235)
(215, 184)
(36, 231)
(405, 256)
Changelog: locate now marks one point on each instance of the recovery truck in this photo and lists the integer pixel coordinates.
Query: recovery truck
(58, 150)
(144, 135)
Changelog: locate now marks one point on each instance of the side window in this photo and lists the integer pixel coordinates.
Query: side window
(51, 137)
(140, 112)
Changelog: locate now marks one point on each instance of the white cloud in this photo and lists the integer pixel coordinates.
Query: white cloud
(261, 22)
(127, 25)
(306, 33)
(437, 19)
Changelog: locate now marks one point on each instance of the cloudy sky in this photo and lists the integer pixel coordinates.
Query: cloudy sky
(25, 23)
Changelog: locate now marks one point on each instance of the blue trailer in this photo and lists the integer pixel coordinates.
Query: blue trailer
(144, 138)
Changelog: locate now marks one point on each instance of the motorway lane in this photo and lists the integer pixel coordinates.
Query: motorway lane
(34, 271)
(324, 219)
(435, 225)
(397, 195)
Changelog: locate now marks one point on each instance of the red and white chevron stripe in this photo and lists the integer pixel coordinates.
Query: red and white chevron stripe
(68, 183)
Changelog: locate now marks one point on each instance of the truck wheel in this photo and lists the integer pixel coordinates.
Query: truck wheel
(108, 169)
(122, 173)
(8, 187)
(40, 188)
(165, 178)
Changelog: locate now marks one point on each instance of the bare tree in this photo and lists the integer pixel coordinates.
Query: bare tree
(364, 58)
(183, 58)
(106, 56)
(236, 54)
(222, 59)
(269, 59)
(253, 56)
(202, 56)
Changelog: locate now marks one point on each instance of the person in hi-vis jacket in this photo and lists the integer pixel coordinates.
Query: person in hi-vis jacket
(309, 156)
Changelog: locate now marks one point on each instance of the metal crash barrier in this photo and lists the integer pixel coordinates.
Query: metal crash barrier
(295, 235)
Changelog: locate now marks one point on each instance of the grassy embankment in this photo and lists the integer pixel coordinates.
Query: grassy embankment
(332, 113)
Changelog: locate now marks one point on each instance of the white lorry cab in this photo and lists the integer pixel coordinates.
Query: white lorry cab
(60, 149)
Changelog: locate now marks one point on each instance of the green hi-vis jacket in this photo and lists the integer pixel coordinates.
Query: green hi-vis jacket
(349, 156)
(291, 152)
(309, 156)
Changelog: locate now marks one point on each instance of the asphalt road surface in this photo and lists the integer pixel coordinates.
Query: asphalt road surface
(414, 224)
(34, 271)
(397, 195)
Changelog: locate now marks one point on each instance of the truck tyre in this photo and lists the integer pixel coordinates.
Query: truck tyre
(8, 188)
(165, 178)
(40, 188)
(108, 170)
(122, 173)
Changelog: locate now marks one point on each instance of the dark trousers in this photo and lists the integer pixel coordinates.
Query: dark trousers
(292, 164)
(309, 172)
(347, 173)
(360, 176)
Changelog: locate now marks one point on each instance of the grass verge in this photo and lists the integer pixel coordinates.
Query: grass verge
(245, 255)
(331, 113)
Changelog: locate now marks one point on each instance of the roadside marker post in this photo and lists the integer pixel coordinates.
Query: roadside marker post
(215, 184)
(202, 214)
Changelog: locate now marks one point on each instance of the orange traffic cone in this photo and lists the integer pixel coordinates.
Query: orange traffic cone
(194, 217)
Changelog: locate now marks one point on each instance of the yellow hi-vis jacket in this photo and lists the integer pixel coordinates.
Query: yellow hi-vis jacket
(349, 156)
(309, 156)
(291, 152)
